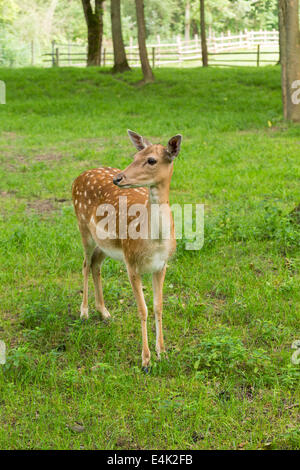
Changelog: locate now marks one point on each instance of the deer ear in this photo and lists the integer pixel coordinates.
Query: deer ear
(173, 146)
(138, 141)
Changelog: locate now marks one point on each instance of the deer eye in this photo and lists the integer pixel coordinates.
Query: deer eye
(151, 161)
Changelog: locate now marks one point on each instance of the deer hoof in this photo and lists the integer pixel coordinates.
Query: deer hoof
(146, 369)
(84, 313)
(161, 354)
(105, 315)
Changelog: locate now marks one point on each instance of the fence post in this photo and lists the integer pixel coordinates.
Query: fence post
(153, 57)
(258, 53)
(228, 38)
(53, 53)
(241, 40)
(221, 41)
(104, 57)
(158, 49)
(209, 32)
(179, 49)
(196, 41)
(246, 39)
(214, 43)
(130, 49)
(69, 53)
(57, 57)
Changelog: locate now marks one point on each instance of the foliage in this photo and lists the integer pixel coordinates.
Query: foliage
(63, 21)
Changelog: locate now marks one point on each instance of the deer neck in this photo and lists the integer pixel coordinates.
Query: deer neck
(159, 194)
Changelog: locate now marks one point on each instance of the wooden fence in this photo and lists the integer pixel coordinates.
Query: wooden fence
(239, 49)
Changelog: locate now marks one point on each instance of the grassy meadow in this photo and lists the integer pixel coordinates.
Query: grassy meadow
(231, 310)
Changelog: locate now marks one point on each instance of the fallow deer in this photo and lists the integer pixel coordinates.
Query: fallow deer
(146, 181)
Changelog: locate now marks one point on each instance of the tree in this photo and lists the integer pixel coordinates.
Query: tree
(146, 68)
(289, 42)
(94, 22)
(187, 20)
(48, 19)
(203, 34)
(120, 60)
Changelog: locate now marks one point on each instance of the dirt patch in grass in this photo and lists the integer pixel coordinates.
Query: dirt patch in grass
(48, 157)
(216, 295)
(17, 162)
(41, 206)
(10, 135)
(268, 130)
(8, 193)
(13, 155)
(14, 162)
(45, 206)
(21, 158)
(126, 443)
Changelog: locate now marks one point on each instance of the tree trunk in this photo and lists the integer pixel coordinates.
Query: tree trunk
(120, 60)
(94, 22)
(147, 71)
(289, 40)
(187, 21)
(48, 20)
(282, 53)
(203, 35)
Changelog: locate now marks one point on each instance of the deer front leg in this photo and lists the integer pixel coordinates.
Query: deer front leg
(158, 283)
(136, 283)
(84, 310)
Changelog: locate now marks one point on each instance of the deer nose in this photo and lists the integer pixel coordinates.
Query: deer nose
(117, 179)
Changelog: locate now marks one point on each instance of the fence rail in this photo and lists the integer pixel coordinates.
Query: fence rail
(226, 48)
(181, 52)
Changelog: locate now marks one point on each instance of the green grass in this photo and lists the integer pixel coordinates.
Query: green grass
(231, 310)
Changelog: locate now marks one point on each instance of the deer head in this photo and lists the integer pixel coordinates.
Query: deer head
(152, 164)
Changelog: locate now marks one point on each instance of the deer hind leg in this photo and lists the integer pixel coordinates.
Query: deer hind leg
(136, 283)
(158, 283)
(88, 246)
(97, 259)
